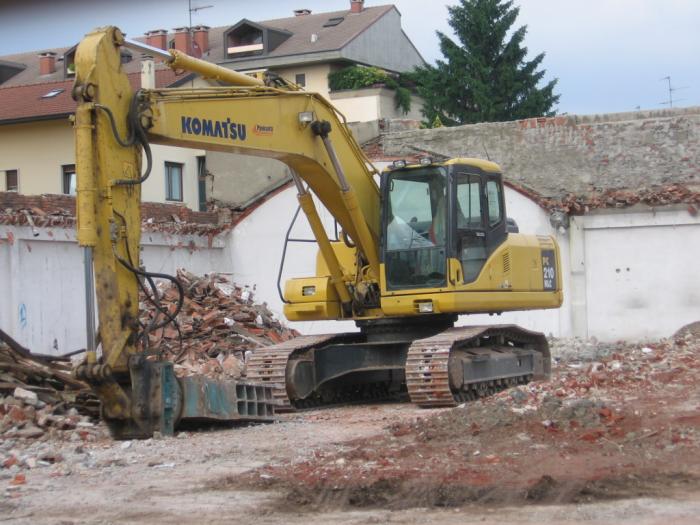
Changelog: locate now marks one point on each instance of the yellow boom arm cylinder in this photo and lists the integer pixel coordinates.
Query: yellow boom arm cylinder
(208, 70)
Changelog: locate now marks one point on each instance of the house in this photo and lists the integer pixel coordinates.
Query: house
(35, 100)
(36, 136)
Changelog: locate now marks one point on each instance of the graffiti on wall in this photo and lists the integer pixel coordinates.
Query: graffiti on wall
(22, 316)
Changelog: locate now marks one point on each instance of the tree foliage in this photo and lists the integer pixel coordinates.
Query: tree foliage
(485, 76)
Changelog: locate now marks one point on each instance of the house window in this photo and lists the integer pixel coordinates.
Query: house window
(301, 79)
(68, 178)
(202, 182)
(11, 180)
(173, 181)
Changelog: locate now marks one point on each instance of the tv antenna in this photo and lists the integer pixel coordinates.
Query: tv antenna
(194, 10)
(671, 91)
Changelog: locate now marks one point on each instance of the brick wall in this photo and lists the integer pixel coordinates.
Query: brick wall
(574, 154)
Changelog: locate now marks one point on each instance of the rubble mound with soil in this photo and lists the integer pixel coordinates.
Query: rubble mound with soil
(616, 420)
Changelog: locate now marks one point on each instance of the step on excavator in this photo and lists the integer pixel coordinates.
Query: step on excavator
(427, 243)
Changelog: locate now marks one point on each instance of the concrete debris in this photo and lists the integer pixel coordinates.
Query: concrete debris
(29, 397)
(219, 322)
(24, 417)
(39, 398)
(623, 410)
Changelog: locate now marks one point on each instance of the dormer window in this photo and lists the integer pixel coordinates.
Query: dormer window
(245, 41)
(69, 62)
(9, 69)
(247, 38)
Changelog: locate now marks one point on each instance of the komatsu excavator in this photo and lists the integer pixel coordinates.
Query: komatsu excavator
(429, 242)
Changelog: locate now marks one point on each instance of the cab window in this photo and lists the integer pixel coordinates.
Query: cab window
(416, 228)
(468, 201)
(493, 197)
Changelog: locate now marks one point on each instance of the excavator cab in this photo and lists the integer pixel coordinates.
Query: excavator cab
(436, 212)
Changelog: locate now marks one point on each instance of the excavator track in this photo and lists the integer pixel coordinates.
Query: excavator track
(269, 365)
(509, 355)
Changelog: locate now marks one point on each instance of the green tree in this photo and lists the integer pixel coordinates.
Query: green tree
(485, 77)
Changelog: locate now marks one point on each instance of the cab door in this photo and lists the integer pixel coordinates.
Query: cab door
(478, 218)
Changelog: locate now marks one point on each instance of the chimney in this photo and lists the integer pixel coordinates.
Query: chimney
(183, 40)
(201, 38)
(148, 72)
(302, 12)
(47, 63)
(356, 6)
(157, 38)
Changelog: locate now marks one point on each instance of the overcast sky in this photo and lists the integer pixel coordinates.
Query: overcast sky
(609, 55)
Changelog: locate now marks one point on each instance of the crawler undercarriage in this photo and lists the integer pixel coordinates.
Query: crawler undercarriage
(436, 364)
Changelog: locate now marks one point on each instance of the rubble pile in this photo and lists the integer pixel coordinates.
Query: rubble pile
(611, 411)
(218, 324)
(57, 217)
(40, 398)
(37, 218)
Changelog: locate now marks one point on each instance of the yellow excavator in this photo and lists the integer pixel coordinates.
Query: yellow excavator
(429, 242)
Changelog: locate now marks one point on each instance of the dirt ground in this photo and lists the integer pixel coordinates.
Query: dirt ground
(614, 437)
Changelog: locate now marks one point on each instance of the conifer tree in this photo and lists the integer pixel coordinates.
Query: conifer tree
(485, 76)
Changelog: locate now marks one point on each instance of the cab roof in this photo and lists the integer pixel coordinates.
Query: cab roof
(484, 165)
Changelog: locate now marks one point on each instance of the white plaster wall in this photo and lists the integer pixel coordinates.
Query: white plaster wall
(641, 276)
(360, 108)
(42, 283)
(369, 104)
(657, 295)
